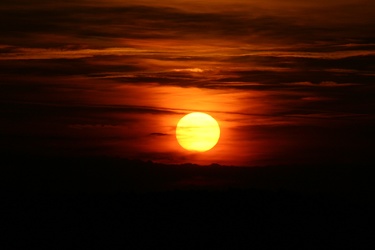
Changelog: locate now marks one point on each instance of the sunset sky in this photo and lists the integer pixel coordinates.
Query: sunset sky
(289, 82)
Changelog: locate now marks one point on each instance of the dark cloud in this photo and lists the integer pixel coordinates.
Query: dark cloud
(158, 134)
(152, 22)
(64, 67)
(94, 75)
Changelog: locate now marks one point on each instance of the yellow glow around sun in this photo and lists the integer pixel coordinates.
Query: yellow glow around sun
(197, 132)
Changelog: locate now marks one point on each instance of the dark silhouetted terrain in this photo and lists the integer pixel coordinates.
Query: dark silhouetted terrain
(107, 203)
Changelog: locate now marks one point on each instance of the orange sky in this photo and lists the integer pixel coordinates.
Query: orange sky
(289, 82)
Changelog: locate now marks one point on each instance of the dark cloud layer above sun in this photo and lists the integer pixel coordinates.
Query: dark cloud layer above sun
(107, 67)
(48, 23)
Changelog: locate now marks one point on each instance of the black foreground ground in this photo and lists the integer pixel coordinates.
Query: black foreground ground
(106, 203)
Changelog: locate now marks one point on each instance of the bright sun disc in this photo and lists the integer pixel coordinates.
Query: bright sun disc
(197, 132)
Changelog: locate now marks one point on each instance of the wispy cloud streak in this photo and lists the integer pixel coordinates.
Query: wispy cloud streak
(120, 72)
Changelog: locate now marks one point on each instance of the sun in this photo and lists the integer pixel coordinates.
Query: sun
(198, 132)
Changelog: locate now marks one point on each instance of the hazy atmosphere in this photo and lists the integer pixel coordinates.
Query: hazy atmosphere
(172, 124)
(288, 82)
